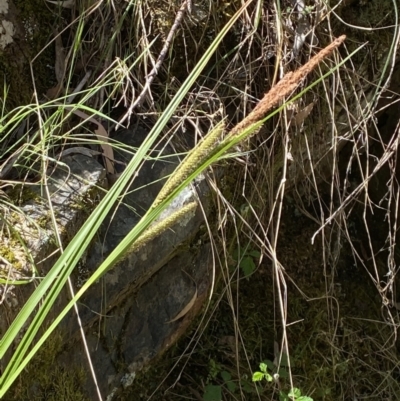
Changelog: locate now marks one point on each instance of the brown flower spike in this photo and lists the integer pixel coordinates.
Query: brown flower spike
(284, 87)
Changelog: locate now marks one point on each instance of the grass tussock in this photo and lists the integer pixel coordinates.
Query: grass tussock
(305, 225)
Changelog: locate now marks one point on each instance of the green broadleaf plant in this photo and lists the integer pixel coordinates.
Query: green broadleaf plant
(212, 393)
(293, 395)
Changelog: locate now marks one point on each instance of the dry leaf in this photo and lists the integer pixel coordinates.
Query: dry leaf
(8, 164)
(102, 136)
(64, 4)
(303, 114)
(186, 309)
(107, 149)
(53, 93)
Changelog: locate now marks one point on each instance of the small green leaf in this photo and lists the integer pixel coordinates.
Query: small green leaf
(244, 210)
(226, 376)
(248, 388)
(294, 393)
(212, 393)
(215, 368)
(283, 373)
(258, 376)
(247, 265)
(268, 377)
(283, 396)
(236, 253)
(231, 386)
(254, 254)
(263, 367)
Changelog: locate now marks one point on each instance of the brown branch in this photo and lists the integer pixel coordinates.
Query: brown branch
(150, 77)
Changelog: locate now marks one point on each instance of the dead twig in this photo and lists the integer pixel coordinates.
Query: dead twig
(150, 77)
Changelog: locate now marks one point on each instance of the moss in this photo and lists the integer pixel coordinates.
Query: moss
(45, 379)
(43, 221)
(85, 203)
(36, 21)
(20, 194)
(7, 253)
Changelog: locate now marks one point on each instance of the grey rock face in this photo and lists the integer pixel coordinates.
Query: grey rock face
(72, 186)
(152, 285)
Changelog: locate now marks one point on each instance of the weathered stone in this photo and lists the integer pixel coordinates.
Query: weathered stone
(134, 301)
(73, 186)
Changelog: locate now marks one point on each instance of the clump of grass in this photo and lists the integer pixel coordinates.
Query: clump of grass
(107, 68)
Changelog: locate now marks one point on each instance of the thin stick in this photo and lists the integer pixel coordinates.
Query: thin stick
(150, 77)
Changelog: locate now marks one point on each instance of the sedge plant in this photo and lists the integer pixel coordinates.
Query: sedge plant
(207, 152)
